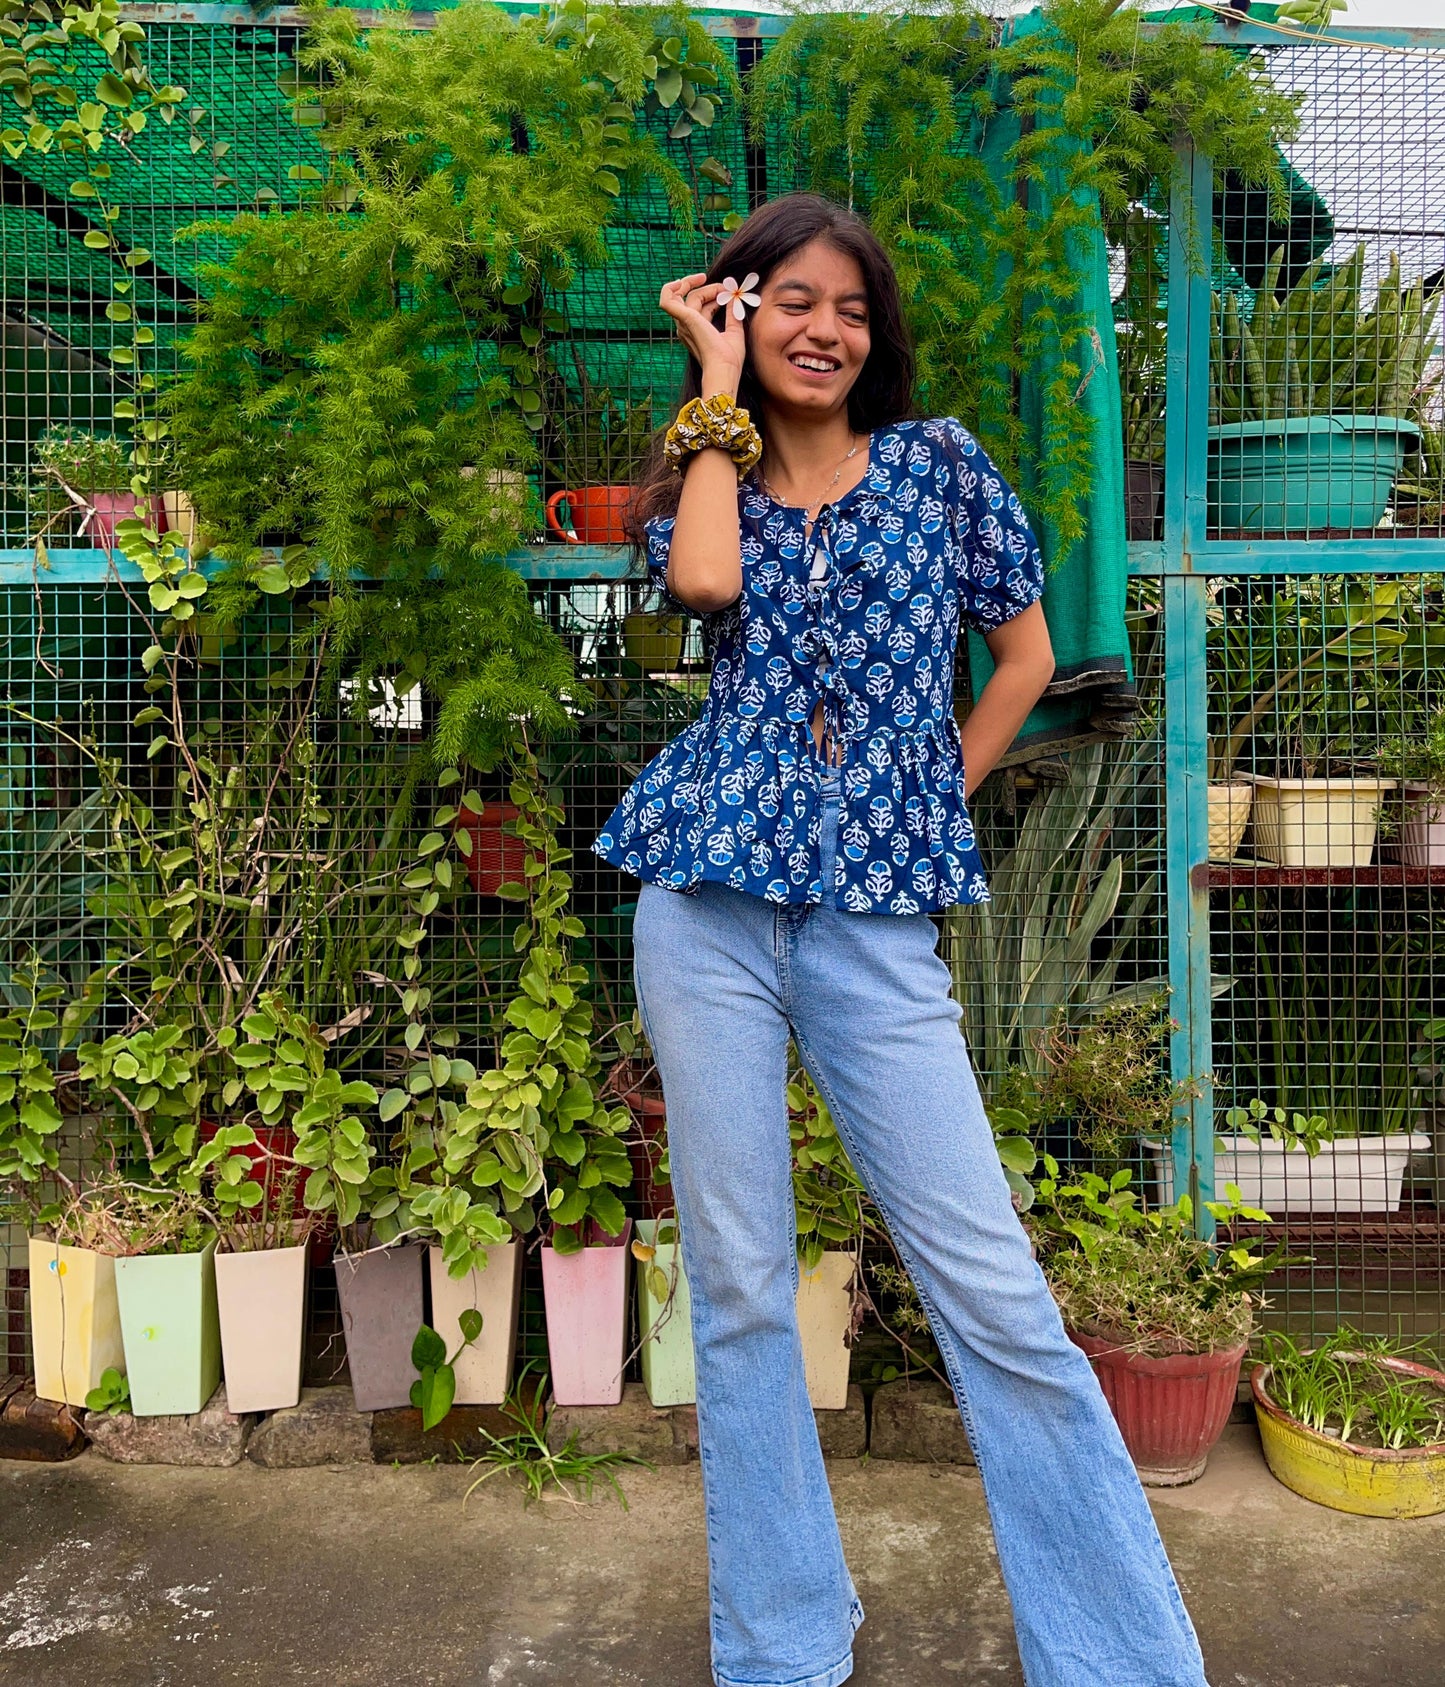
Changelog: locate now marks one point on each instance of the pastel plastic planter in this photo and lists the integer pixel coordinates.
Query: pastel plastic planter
(1229, 806)
(1170, 1411)
(74, 1320)
(669, 1371)
(1368, 1481)
(171, 1329)
(108, 508)
(1353, 1174)
(261, 1295)
(1422, 830)
(483, 1370)
(1306, 473)
(381, 1312)
(1318, 822)
(825, 1309)
(585, 1296)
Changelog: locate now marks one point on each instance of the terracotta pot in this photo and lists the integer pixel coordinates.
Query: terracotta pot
(1169, 1411)
(273, 1144)
(381, 1312)
(596, 515)
(493, 857)
(107, 508)
(585, 1295)
(648, 1140)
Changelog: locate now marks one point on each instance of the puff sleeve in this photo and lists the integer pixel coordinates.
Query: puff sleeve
(997, 561)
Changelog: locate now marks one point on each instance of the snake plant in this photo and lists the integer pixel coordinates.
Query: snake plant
(1319, 351)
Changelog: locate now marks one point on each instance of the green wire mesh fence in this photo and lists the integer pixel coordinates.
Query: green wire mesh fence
(1326, 1000)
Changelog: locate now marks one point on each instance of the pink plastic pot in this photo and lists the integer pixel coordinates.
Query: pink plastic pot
(585, 1295)
(1169, 1411)
(107, 508)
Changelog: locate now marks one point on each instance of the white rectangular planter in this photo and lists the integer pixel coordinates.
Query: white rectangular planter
(1317, 822)
(262, 1298)
(483, 1370)
(825, 1308)
(1353, 1174)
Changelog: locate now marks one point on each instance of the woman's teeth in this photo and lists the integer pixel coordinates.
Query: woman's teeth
(819, 365)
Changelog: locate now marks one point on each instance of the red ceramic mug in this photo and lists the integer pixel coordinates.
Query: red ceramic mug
(596, 515)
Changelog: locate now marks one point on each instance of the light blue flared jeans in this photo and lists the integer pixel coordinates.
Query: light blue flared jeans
(724, 979)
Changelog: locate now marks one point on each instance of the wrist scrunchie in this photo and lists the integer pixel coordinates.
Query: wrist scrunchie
(713, 421)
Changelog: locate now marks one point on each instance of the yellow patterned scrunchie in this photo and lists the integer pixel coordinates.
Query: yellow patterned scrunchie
(713, 421)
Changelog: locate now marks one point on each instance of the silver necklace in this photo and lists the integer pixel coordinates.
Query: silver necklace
(811, 514)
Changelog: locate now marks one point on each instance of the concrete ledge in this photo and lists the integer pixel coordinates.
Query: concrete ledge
(40, 1431)
(916, 1420)
(212, 1436)
(324, 1427)
(660, 1434)
(667, 1435)
(397, 1436)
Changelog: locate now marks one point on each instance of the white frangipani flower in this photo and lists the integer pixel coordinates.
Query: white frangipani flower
(737, 295)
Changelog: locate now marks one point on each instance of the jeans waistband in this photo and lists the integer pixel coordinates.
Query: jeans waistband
(830, 781)
(830, 788)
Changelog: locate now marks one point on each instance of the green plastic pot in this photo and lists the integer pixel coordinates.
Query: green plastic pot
(1306, 473)
(668, 1371)
(171, 1330)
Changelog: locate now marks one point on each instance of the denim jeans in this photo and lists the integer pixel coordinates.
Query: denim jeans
(724, 978)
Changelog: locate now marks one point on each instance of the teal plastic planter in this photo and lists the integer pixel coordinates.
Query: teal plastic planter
(668, 1371)
(171, 1330)
(1307, 473)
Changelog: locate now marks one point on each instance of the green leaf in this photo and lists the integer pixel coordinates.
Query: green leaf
(273, 579)
(428, 1348)
(471, 1324)
(112, 90)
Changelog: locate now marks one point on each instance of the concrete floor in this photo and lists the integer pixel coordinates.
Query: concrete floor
(124, 1576)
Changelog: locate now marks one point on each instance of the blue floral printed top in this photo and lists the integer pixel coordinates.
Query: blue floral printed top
(864, 617)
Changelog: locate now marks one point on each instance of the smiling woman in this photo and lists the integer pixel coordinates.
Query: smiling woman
(812, 817)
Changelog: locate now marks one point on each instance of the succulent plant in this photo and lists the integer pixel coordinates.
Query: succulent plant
(1317, 351)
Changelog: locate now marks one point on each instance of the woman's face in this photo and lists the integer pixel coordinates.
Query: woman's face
(809, 339)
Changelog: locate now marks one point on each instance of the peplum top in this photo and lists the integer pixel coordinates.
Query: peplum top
(863, 617)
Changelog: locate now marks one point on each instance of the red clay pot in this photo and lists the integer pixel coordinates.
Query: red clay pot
(596, 515)
(1169, 1411)
(495, 857)
(277, 1143)
(647, 1141)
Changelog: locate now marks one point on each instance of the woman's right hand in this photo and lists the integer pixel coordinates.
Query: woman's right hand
(721, 352)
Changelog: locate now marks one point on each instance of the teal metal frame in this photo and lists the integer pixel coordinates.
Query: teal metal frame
(1184, 561)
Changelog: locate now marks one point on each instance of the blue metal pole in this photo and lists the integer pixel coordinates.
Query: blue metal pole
(1185, 686)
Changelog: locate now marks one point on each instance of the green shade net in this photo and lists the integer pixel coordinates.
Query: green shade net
(1092, 691)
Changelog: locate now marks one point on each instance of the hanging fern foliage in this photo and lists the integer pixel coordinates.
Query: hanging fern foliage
(989, 158)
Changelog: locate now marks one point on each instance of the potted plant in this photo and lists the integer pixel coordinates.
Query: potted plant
(74, 1316)
(1303, 815)
(1164, 1317)
(1293, 1162)
(261, 1270)
(664, 1315)
(486, 837)
(633, 1079)
(1357, 1423)
(828, 1200)
(165, 1284)
(94, 471)
(1311, 397)
(1419, 765)
(603, 445)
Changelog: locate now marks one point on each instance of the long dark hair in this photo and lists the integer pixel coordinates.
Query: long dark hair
(883, 392)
